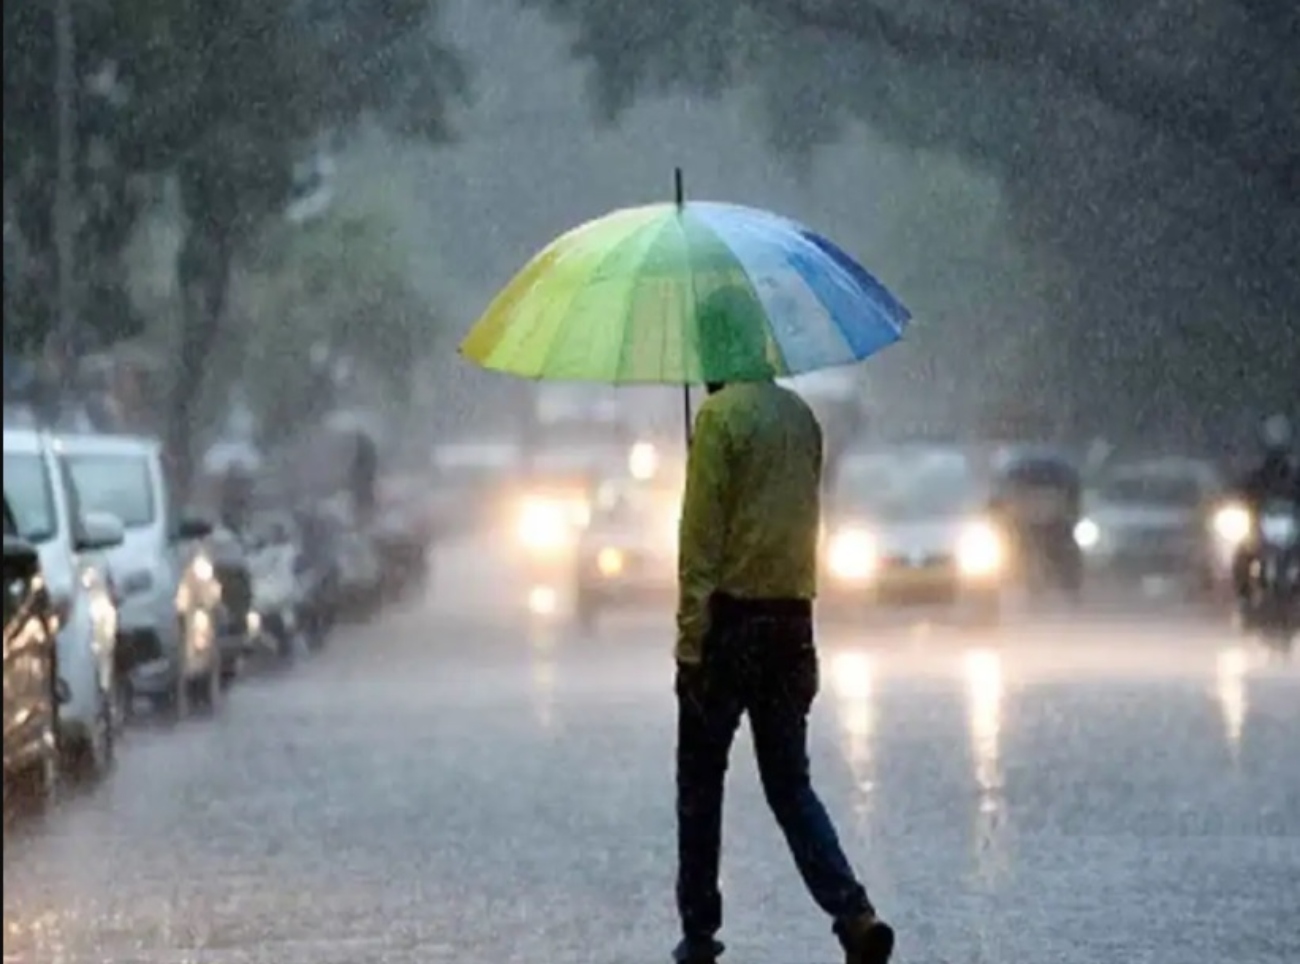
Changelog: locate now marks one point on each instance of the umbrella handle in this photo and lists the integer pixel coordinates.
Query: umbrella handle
(686, 411)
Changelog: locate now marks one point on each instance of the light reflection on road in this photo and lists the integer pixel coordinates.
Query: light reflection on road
(983, 673)
(1230, 686)
(853, 679)
(542, 655)
(982, 669)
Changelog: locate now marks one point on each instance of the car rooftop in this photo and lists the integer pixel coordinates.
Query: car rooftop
(107, 444)
(25, 440)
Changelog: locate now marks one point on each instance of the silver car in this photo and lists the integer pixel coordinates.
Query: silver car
(1149, 520)
(906, 527)
(166, 582)
(71, 540)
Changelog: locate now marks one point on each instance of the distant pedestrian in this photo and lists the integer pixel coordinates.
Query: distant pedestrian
(748, 574)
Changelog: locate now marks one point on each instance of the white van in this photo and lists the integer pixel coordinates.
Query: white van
(167, 589)
(69, 540)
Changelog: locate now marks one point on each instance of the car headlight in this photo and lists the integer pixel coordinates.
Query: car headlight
(545, 525)
(1087, 534)
(643, 461)
(579, 512)
(852, 555)
(980, 550)
(610, 562)
(1232, 524)
(203, 569)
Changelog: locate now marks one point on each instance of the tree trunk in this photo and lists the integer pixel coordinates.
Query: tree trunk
(204, 268)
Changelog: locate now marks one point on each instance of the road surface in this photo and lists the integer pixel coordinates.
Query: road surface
(452, 783)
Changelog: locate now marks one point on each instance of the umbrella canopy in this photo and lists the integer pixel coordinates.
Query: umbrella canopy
(685, 294)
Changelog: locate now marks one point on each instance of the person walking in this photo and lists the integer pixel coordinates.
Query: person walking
(747, 573)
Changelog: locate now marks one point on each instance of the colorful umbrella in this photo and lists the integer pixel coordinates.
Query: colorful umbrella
(683, 294)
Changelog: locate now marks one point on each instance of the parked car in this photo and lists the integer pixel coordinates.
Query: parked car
(31, 688)
(167, 586)
(360, 574)
(403, 531)
(71, 540)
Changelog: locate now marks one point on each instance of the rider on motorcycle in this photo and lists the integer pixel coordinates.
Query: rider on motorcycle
(1276, 477)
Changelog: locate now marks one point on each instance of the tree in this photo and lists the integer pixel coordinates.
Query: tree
(340, 283)
(110, 202)
(224, 97)
(1158, 151)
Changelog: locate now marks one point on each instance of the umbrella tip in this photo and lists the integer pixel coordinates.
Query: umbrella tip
(678, 190)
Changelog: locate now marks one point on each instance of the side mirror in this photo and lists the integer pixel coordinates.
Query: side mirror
(99, 531)
(191, 528)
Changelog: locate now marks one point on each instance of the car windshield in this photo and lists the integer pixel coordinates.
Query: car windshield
(29, 496)
(906, 485)
(117, 484)
(1153, 489)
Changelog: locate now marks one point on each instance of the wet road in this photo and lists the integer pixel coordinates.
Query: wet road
(447, 786)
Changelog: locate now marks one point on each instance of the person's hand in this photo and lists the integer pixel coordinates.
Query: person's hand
(690, 684)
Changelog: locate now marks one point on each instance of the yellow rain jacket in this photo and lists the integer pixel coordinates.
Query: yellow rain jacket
(751, 512)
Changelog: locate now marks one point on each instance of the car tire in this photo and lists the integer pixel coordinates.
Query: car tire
(34, 789)
(91, 759)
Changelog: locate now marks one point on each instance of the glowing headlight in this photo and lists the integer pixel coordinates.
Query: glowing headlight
(610, 562)
(1232, 524)
(643, 461)
(203, 570)
(980, 551)
(579, 512)
(545, 525)
(1087, 534)
(253, 623)
(852, 555)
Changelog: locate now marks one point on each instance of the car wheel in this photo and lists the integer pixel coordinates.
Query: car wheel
(91, 757)
(34, 789)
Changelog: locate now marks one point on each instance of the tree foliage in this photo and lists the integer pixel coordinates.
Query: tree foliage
(224, 97)
(340, 284)
(1156, 147)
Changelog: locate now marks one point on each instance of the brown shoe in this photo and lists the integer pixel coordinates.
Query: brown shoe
(866, 940)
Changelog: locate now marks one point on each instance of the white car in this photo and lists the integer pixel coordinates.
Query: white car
(70, 540)
(907, 528)
(168, 592)
(1149, 520)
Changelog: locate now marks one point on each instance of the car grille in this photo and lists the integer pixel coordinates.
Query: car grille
(918, 562)
(1158, 543)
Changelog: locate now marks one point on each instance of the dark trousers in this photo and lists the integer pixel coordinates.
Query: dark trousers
(759, 661)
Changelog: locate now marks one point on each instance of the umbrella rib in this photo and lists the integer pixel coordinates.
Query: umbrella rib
(629, 314)
(686, 316)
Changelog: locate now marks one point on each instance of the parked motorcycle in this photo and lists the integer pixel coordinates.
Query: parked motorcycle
(272, 546)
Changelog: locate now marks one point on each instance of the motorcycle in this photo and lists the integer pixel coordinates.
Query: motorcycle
(1272, 603)
(272, 558)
